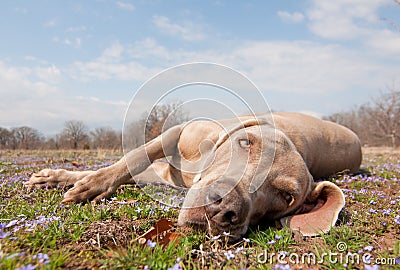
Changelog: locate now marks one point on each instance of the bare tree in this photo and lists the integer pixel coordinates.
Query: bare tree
(384, 115)
(348, 119)
(74, 133)
(51, 143)
(134, 135)
(377, 122)
(105, 138)
(162, 117)
(6, 138)
(26, 138)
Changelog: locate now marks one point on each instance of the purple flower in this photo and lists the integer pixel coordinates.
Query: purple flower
(151, 244)
(271, 242)
(371, 267)
(246, 240)
(369, 248)
(397, 219)
(42, 258)
(176, 266)
(239, 249)
(229, 255)
(373, 211)
(122, 202)
(386, 211)
(15, 255)
(12, 223)
(281, 267)
(277, 237)
(215, 237)
(27, 267)
(4, 234)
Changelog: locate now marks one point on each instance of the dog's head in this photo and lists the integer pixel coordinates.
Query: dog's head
(255, 174)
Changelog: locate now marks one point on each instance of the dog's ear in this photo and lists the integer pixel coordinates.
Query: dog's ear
(319, 212)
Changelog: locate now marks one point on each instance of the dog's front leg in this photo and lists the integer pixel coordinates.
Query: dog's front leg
(56, 178)
(104, 182)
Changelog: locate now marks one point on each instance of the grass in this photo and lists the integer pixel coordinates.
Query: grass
(36, 231)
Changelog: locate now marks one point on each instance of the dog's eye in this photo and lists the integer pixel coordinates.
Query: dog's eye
(244, 143)
(289, 198)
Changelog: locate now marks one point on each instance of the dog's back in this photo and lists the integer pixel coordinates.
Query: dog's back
(326, 147)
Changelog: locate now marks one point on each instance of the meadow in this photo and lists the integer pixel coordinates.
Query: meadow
(38, 232)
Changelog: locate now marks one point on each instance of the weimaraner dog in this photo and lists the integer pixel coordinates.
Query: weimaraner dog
(241, 173)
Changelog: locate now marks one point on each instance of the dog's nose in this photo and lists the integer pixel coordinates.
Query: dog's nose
(225, 205)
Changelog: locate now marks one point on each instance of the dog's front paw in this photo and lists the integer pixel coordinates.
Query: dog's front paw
(94, 187)
(49, 178)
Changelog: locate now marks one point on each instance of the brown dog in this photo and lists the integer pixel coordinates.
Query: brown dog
(238, 172)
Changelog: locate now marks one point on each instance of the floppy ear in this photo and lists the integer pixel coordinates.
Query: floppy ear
(319, 212)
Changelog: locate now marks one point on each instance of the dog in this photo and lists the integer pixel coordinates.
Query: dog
(238, 172)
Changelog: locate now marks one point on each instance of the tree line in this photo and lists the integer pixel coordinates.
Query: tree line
(76, 135)
(377, 123)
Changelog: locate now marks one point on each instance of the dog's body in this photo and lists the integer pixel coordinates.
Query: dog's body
(239, 172)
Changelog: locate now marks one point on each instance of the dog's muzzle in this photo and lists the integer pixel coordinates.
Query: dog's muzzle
(227, 208)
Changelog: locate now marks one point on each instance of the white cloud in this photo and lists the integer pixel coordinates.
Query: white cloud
(71, 42)
(75, 43)
(386, 42)
(304, 67)
(291, 67)
(23, 81)
(148, 47)
(36, 97)
(295, 17)
(344, 19)
(75, 29)
(187, 31)
(119, 103)
(23, 94)
(125, 6)
(98, 69)
(113, 53)
(354, 20)
(48, 74)
(21, 10)
(50, 23)
(111, 65)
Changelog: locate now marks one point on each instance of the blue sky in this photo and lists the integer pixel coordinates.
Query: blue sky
(62, 60)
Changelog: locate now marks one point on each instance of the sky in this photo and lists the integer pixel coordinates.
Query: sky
(85, 60)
